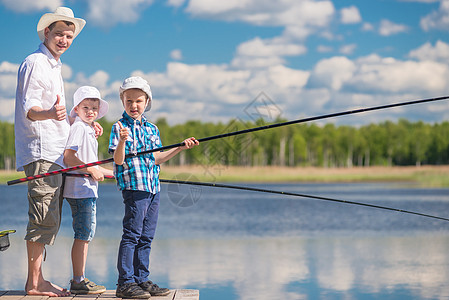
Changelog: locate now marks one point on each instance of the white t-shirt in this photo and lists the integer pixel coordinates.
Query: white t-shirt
(82, 140)
(39, 82)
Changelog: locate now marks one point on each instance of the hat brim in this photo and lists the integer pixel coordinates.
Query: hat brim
(49, 18)
(104, 107)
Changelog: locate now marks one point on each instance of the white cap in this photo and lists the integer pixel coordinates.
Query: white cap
(90, 92)
(60, 14)
(137, 82)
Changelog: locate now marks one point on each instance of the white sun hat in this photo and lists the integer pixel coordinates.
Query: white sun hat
(60, 14)
(136, 82)
(90, 92)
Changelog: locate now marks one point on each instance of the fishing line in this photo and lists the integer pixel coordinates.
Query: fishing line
(244, 188)
(219, 136)
(300, 195)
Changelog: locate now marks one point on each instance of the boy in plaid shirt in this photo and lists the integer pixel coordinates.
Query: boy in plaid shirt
(138, 179)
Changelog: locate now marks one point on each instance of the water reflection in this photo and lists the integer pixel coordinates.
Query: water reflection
(244, 250)
(266, 268)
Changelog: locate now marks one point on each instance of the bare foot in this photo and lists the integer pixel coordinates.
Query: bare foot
(46, 288)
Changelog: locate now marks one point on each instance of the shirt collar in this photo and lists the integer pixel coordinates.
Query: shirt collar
(51, 58)
(78, 119)
(131, 120)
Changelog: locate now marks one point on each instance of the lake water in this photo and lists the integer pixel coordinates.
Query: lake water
(232, 244)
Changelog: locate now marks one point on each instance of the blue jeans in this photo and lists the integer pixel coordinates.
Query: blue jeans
(139, 227)
(84, 214)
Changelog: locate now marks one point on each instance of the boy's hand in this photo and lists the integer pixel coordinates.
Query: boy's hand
(98, 129)
(190, 143)
(124, 133)
(95, 173)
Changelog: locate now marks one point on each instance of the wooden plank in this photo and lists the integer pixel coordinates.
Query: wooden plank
(187, 295)
(12, 295)
(91, 296)
(167, 297)
(108, 295)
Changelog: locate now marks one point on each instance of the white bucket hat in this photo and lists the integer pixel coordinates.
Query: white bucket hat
(137, 82)
(85, 92)
(60, 14)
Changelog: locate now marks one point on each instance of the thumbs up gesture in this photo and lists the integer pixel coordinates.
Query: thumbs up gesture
(124, 133)
(58, 112)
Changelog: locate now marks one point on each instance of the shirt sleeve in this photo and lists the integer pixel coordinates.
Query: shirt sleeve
(33, 85)
(114, 138)
(157, 142)
(76, 137)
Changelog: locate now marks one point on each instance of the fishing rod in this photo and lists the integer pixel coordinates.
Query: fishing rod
(300, 195)
(219, 136)
(235, 187)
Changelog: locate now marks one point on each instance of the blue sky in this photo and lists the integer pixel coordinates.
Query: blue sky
(211, 60)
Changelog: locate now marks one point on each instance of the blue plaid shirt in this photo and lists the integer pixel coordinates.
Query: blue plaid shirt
(138, 173)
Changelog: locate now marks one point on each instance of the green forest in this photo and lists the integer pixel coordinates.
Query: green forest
(388, 143)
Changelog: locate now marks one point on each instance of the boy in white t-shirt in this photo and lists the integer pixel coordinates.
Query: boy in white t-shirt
(82, 192)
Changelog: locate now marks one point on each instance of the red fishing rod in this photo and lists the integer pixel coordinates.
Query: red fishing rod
(219, 136)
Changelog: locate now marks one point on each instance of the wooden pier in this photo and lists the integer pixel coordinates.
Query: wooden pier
(108, 295)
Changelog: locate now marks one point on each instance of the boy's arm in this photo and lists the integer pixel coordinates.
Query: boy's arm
(119, 153)
(106, 172)
(71, 160)
(161, 157)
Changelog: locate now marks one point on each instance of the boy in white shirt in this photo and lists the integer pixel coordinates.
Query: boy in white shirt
(82, 192)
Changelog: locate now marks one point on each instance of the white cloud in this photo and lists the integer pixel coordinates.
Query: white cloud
(332, 73)
(176, 54)
(300, 17)
(437, 19)
(8, 68)
(7, 106)
(66, 71)
(423, 1)
(265, 52)
(286, 78)
(427, 52)
(107, 13)
(367, 27)
(8, 83)
(324, 49)
(253, 62)
(8, 79)
(24, 6)
(388, 28)
(376, 75)
(176, 3)
(348, 49)
(387, 75)
(269, 47)
(350, 15)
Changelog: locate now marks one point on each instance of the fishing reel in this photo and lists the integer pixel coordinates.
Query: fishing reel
(4, 239)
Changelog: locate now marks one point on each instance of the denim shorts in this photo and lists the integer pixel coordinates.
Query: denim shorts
(84, 217)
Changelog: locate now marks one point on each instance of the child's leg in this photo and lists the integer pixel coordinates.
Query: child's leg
(136, 206)
(84, 225)
(143, 248)
(79, 256)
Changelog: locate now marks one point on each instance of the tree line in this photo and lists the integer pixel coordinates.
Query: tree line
(388, 143)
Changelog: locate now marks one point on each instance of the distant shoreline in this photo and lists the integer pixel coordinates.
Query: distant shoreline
(423, 176)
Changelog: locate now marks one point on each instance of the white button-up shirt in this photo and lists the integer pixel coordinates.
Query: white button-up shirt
(38, 84)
